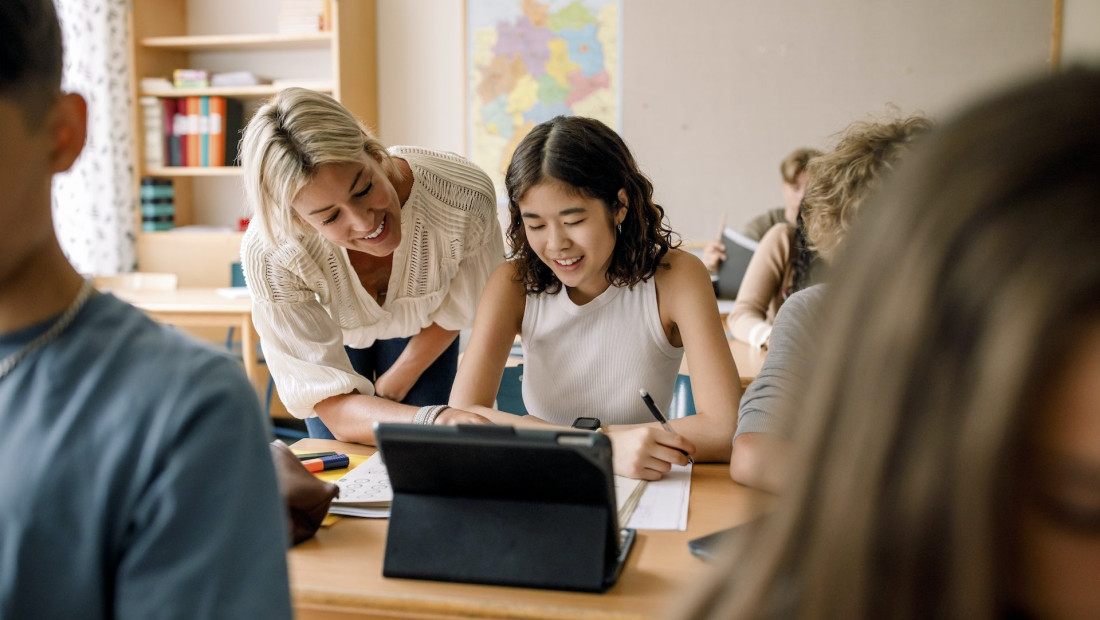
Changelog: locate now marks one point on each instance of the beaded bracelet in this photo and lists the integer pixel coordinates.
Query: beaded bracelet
(428, 414)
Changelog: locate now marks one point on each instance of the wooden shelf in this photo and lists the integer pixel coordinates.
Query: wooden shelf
(159, 42)
(193, 171)
(240, 42)
(244, 92)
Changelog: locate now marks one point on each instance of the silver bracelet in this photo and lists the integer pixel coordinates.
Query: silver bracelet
(428, 414)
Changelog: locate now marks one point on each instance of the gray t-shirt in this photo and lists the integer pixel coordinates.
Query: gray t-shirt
(782, 379)
(136, 478)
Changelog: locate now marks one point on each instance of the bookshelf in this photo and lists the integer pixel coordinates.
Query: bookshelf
(208, 199)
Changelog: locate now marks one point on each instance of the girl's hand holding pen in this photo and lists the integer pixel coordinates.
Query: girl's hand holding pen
(647, 452)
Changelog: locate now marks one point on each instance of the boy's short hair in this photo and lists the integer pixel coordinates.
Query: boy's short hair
(30, 56)
(794, 164)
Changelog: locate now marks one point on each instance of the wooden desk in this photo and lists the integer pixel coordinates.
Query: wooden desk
(201, 307)
(338, 574)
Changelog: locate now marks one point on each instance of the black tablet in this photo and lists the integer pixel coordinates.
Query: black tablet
(499, 505)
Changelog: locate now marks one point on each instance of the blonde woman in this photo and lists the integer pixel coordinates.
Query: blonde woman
(363, 263)
(946, 460)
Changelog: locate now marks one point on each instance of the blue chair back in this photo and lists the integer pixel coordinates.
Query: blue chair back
(510, 393)
(683, 403)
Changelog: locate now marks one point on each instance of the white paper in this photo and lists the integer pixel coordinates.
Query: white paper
(664, 504)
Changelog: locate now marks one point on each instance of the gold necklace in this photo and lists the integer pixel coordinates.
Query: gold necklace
(50, 334)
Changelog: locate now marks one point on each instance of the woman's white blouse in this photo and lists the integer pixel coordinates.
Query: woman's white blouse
(307, 302)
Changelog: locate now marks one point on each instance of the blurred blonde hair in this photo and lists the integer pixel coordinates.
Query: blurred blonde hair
(840, 180)
(292, 135)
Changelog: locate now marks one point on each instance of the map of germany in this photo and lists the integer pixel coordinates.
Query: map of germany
(531, 61)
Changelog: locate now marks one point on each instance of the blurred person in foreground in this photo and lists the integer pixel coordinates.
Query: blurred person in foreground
(135, 476)
(947, 464)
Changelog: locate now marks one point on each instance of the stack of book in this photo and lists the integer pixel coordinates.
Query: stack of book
(190, 78)
(191, 131)
(304, 16)
(158, 209)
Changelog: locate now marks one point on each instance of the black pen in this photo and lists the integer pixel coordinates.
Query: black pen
(660, 418)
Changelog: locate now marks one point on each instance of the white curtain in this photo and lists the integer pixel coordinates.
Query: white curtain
(93, 203)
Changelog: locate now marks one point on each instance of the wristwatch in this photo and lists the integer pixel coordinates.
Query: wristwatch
(587, 424)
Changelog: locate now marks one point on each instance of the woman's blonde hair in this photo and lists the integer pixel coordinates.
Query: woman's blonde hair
(286, 141)
(840, 180)
(953, 308)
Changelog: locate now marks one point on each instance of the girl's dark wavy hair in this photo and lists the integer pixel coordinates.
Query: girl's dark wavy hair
(589, 159)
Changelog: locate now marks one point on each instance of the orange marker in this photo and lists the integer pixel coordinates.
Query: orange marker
(325, 463)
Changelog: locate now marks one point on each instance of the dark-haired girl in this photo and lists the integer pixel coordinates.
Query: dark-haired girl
(604, 303)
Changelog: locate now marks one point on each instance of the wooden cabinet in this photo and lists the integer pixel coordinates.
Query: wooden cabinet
(160, 44)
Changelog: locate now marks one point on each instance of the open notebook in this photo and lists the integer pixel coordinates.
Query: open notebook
(365, 492)
(739, 251)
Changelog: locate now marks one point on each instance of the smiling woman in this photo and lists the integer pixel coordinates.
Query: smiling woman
(364, 263)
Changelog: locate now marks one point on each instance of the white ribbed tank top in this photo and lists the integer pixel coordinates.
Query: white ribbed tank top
(591, 360)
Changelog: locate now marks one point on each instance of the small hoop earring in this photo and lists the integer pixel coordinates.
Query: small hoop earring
(619, 228)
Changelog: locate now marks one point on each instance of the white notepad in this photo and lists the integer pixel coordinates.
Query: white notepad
(664, 504)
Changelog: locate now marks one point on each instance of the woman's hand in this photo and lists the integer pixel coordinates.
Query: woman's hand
(647, 452)
(394, 384)
(451, 416)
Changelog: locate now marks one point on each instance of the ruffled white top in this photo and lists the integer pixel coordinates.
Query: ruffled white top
(307, 301)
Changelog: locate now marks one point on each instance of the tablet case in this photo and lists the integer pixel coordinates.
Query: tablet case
(501, 506)
(739, 251)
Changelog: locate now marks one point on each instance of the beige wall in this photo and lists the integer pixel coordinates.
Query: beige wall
(715, 92)
(1081, 32)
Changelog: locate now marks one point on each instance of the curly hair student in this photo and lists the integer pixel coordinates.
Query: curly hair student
(364, 263)
(946, 462)
(604, 303)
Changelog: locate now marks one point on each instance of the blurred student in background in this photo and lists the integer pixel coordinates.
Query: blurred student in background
(946, 463)
(792, 171)
(786, 262)
(864, 155)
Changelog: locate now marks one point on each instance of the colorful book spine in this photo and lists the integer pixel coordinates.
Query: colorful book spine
(204, 131)
(181, 125)
(217, 131)
(168, 118)
(194, 137)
